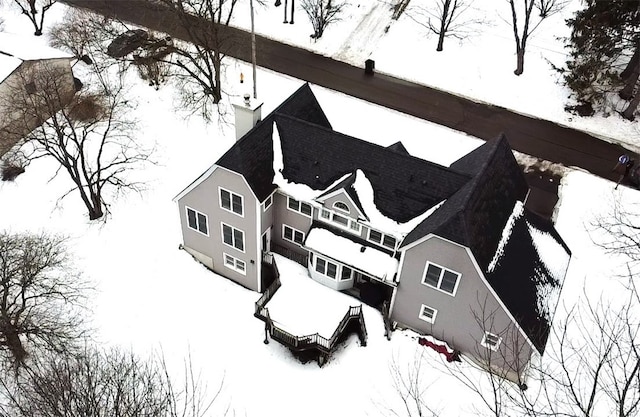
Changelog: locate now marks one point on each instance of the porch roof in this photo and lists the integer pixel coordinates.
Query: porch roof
(364, 258)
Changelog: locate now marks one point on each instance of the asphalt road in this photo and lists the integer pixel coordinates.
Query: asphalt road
(536, 137)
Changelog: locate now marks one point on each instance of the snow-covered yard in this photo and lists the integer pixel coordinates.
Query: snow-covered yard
(151, 296)
(480, 66)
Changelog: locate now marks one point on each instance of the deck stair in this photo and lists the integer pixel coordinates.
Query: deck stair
(353, 320)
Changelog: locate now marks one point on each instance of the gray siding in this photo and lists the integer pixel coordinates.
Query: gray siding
(14, 124)
(267, 219)
(205, 198)
(461, 318)
(283, 215)
(342, 197)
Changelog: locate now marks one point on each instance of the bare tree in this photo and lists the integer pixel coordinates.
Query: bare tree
(547, 8)
(408, 384)
(448, 19)
(591, 365)
(198, 62)
(322, 13)
(96, 382)
(86, 35)
(523, 30)
(35, 11)
(40, 296)
(90, 135)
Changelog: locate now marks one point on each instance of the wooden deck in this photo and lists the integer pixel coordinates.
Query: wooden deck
(312, 346)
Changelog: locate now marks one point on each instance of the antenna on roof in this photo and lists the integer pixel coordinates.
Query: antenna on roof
(253, 51)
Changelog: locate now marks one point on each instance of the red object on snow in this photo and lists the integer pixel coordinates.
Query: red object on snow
(450, 355)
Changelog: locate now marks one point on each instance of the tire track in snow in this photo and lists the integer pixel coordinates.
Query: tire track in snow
(361, 43)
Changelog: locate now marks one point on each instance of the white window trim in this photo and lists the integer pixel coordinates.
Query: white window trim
(424, 276)
(421, 316)
(266, 206)
(186, 212)
(334, 223)
(373, 241)
(342, 267)
(392, 237)
(488, 345)
(326, 268)
(235, 263)
(244, 243)
(294, 230)
(382, 236)
(347, 211)
(299, 211)
(231, 194)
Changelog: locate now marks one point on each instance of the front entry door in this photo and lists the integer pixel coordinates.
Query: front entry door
(266, 240)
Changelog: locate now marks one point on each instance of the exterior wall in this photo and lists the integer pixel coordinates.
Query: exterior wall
(15, 124)
(267, 219)
(343, 197)
(201, 257)
(461, 319)
(205, 198)
(283, 215)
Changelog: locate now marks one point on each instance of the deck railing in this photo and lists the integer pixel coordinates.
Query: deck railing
(290, 254)
(313, 341)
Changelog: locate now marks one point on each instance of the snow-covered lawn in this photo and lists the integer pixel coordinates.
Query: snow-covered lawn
(480, 66)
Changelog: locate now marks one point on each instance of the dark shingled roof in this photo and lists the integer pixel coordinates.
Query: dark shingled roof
(347, 185)
(476, 215)
(523, 281)
(398, 147)
(252, 155)
(480, 189)
(317, 156)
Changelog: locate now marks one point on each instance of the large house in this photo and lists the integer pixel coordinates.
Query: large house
(23, 64)
(451, 250)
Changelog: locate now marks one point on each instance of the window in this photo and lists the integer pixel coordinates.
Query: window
(341, 220)
(389, 241)
(326, 268)
(441, 278)
(30, 87)
(381, 239)
(374, 236)
(267, 203)
(235, 264)
(231, 201)
(299, 206)
(491, 341)
(344, 222)
(197, 221)
(292, 235)
(339, 205)
(346, 273)
(428, 314)
(233, 237)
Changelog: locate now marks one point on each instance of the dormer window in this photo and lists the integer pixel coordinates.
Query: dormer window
(339, 205)
(336, 219)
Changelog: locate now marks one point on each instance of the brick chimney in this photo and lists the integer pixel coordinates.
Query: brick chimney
(248, 114)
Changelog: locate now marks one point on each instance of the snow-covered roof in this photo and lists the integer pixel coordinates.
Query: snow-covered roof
(528, 270)
(28, 48)
(518, 211)
(8, 64)
(362, 187)
(14, 49)
(364, 258)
